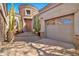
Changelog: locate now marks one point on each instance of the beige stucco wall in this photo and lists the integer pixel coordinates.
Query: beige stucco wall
(60, 10)
(32, 13)
(76, 23)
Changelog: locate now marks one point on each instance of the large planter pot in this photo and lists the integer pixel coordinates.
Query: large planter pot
(38, 33)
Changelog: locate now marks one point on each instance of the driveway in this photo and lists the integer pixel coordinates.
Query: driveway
(28, 44)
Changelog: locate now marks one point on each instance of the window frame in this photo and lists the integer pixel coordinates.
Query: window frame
(26, 12)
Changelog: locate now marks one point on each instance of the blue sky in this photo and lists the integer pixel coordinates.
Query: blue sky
(39, 6)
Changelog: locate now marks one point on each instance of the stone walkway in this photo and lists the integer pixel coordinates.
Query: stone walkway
(27, 36)
(21, 48)
(28, 44)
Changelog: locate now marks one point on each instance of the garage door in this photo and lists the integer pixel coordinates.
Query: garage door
(60, 28)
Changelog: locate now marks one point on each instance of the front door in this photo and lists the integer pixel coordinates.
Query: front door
(28, 24)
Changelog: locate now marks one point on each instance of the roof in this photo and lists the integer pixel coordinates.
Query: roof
(27, 5)
(49, 6)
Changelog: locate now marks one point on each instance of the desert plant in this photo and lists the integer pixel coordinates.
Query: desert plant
(11, 18)
(36, 25)
(10, 33)
(20, 25)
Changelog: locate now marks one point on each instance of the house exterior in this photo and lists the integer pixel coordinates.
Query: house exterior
(60, 21)
(27, 12)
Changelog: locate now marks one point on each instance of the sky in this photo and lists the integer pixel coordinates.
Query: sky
(39, 6)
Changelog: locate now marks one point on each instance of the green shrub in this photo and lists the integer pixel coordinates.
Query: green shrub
(36, 25)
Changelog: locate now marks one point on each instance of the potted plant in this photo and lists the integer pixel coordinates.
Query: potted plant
(37, 25)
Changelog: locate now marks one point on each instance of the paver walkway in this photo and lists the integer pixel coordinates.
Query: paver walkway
(28, 44)
(30, 37)
(21, 48)
(27, 36)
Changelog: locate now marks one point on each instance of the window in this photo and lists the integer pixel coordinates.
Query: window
(50, 22)
(27, 12)
(65, 21)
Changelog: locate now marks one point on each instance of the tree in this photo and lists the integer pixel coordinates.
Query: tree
(36, 25)
(11, 31)
(20, 25)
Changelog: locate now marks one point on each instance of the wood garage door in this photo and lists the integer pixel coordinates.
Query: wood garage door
(60, 28)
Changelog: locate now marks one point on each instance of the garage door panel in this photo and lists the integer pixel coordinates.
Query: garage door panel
(62, 32)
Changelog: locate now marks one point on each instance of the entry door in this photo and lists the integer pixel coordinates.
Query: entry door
(28, 24)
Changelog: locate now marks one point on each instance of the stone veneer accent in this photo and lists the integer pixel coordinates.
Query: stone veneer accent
(76, 41)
